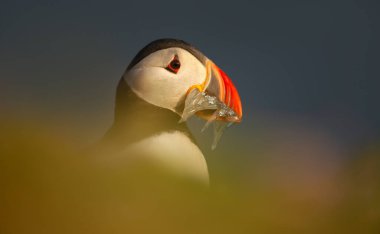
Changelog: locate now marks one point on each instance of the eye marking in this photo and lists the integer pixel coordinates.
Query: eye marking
(174, 65)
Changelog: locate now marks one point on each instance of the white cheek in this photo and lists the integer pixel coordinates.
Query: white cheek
(156, 86)
(192, 74)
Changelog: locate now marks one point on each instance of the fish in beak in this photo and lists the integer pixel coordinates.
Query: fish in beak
(216, 100)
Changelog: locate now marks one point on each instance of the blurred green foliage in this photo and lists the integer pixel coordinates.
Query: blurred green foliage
(46, 186)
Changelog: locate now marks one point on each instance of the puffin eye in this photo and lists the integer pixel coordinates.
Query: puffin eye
(174, 65)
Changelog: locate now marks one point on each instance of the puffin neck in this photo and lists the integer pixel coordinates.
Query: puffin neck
(136, 119)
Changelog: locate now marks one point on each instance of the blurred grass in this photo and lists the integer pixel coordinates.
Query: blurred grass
(48, 186)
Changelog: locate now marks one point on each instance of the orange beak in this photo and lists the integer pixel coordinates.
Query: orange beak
(219, 85)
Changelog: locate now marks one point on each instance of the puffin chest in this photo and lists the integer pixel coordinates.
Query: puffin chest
(174, 151)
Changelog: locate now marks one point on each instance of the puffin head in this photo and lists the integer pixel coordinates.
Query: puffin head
(165, 71)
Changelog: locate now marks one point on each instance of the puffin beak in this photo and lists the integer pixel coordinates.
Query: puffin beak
(218, 84)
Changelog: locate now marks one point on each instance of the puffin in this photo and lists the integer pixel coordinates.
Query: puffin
(151, 99)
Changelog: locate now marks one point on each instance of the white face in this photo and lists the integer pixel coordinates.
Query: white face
(151, 81)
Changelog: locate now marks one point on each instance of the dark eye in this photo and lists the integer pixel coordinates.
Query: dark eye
(174, 65)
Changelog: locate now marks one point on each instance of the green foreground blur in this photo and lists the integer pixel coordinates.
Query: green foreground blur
(48, 187)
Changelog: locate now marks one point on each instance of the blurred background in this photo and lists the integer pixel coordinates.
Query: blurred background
(305, 159)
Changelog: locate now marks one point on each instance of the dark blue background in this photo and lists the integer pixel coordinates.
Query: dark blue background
(304, 61)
